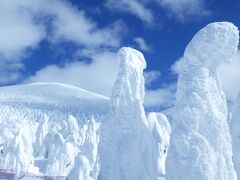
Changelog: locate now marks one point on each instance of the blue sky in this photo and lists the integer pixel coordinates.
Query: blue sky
(76, 41)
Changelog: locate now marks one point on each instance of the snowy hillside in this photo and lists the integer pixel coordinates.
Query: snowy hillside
(60, 98)
(32, 115)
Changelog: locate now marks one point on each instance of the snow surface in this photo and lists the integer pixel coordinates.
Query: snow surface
(200, 141)
(235, 133)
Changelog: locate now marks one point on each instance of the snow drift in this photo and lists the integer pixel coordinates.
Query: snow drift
(200, 142)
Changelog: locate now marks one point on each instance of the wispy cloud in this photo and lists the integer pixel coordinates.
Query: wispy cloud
(151, 76)
(160, 98)
(137, 8)
(141, 43)
(185, 10)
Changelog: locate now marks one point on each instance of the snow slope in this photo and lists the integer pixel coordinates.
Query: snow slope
(200, 142)
(54, 96)
(44, 127)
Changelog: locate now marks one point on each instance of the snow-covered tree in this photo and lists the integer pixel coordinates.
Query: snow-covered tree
(129, 151)
(161, 130)
(41, 132)
(61, 158)
(200, 145)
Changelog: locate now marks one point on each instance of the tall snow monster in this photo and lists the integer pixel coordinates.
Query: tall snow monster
(128, 150)
(200, 145)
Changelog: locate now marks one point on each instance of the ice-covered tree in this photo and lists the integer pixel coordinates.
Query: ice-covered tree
(161, 130)
(41, 132)
(200, 143)
(61, 158)
(129, 151)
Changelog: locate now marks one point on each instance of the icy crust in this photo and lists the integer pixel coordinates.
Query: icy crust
(128, 150)
(200, 142)
(51, 129)
(161, 130)
(235, 134)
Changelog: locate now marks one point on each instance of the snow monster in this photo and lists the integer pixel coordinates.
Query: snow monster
(129, 151)
(200, 147)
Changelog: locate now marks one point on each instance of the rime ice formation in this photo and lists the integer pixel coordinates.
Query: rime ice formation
(51, 129)
(234, 126)
(128, 150)
(161, 130)
(200, 141)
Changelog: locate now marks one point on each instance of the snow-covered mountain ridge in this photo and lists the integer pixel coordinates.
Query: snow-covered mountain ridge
(55, 96)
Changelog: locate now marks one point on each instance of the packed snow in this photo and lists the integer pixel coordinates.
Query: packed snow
(234, 125)
(57, 130)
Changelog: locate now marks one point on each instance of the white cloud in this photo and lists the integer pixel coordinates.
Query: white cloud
(134, 7)
(161, 98)
(24, 24)
(18, 33)
(185, 9)
(73, 25)
(151, 76)
(98, 76)
(230, 77)
(142, 44)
